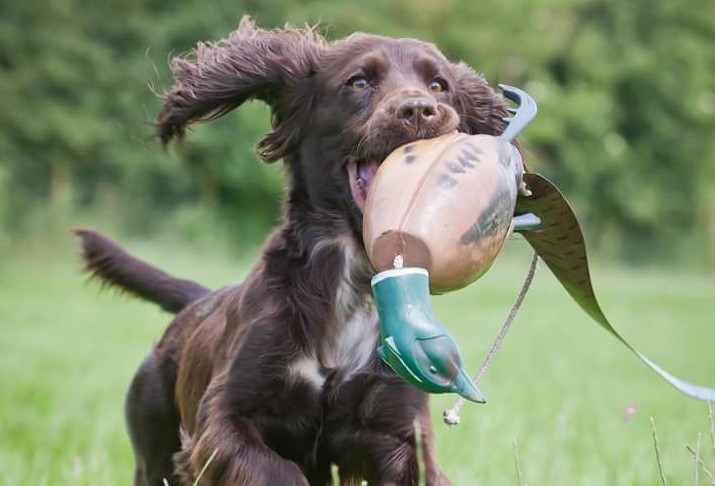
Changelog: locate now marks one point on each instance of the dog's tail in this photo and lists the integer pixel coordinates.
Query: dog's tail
(107, 261)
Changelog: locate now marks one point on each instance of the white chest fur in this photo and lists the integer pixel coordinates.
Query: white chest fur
(353, 341)
(351, 338)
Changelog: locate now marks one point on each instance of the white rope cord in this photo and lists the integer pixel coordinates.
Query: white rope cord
(451, 415)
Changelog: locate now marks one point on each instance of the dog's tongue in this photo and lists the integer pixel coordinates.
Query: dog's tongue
(361, 174)
(366, 171)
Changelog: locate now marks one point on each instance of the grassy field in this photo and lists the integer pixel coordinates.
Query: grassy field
(572, 403)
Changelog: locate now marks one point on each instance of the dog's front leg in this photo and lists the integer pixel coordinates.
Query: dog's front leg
(383, 447)
(228, 446)
(230, 451)
(433, 474)
(255, 418)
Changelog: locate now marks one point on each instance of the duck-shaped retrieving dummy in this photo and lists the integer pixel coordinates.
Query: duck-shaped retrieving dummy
(437, 214)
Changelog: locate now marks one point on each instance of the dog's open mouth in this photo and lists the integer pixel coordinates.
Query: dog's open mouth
(361, 168)
(360, 174)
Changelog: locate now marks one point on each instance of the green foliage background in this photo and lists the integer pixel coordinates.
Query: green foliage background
(626, 92)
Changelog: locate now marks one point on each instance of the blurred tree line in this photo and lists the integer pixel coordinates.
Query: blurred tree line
(626, 92)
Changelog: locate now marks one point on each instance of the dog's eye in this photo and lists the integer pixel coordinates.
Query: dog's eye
(438, 85)
(358, 83)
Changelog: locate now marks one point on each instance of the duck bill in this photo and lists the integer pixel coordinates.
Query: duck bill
(465, 387)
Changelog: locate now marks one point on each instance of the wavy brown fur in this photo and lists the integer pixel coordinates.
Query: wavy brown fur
(223, 75)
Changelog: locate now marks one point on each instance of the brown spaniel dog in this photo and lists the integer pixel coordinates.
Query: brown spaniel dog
(275, 380)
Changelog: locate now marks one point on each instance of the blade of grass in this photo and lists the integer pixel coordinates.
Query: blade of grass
(696, 473)
(657, 454)
(334, 475)
(712, 425)
(704, 469)
(206, 466)
(710, 476)
(517, 462)
(419, 452)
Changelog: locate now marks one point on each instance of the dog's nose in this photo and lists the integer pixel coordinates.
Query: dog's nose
(416, 110)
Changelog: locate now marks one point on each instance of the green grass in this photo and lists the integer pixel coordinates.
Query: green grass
(556, 391)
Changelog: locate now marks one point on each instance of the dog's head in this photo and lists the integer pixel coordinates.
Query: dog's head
(338, 108)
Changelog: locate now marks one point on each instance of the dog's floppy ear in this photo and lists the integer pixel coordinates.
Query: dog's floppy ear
(271, 65)
(480, 108)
